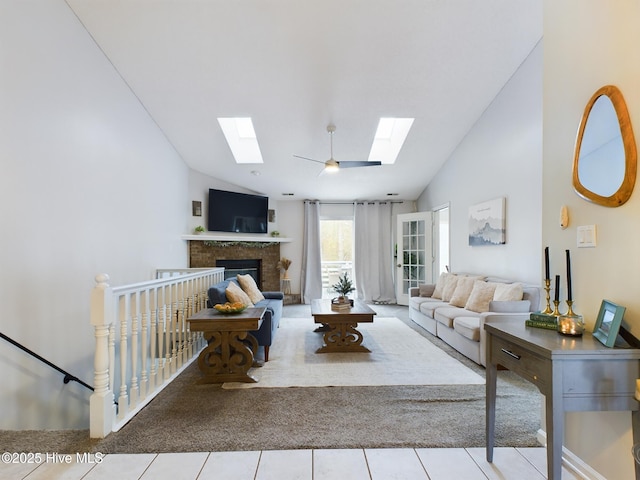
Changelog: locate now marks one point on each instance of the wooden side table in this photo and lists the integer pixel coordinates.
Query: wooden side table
(573, 373)
(231, 348)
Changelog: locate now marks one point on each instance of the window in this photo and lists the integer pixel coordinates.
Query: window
(336, 244)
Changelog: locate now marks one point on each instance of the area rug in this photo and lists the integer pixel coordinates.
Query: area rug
(399, 356)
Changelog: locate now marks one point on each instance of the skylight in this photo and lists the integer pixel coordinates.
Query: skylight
(389, 139)
(242, 139)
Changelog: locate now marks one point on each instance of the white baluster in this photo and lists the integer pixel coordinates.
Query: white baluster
(134, 391)
(183, 329)
(154, 354)
(174, 328)
(101, 409)
(168, 345)
(179, 324)
(112, 356)
(123, 398)
(190, 311)
(144, 342)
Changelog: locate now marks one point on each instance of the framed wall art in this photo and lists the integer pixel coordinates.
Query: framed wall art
(487, 223)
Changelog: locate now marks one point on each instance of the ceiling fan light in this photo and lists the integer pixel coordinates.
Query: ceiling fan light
(331, 166)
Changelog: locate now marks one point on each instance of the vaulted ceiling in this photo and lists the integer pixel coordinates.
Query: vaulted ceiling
(296, 66)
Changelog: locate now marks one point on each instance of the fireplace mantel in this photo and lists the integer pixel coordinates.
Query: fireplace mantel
(208, 237)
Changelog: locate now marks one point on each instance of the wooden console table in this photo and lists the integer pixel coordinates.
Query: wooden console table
(231, 348)
(573, 373)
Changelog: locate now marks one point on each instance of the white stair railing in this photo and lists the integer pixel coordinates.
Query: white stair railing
(143, 340)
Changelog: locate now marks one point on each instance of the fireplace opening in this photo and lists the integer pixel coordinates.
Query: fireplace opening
(232, 268)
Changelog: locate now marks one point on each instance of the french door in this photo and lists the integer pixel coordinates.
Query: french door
(414, 257)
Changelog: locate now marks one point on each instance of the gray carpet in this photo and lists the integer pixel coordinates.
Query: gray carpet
(190, 417)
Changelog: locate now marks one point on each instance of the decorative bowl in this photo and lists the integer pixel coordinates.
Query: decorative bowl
(230, 308)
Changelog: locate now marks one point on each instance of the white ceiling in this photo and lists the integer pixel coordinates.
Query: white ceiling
(295, 66)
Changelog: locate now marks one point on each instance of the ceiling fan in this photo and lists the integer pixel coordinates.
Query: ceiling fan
(333, 165)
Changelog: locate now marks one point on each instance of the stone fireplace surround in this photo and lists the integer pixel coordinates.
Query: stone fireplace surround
(207, 253)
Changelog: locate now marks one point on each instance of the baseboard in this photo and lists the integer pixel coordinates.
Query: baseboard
(571, 461)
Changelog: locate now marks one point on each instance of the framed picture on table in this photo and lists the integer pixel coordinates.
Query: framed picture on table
(608, 323)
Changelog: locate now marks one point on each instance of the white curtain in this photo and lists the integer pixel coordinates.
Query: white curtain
(373, 252)
(311, 281)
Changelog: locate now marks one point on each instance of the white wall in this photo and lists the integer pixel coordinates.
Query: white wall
(590, 44)
(89, 184)
(499, 157)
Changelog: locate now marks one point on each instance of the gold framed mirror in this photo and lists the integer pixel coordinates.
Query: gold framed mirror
(605, 158)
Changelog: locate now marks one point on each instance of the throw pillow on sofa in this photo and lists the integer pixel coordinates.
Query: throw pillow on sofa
(236, 294)
(248, 285)
(463, 291)
(481, 296)
(442, 280)
(426, 290)
(508, 292)
(449, 287)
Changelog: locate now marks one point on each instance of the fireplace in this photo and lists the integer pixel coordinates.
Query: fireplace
(212, 254)
(232, 268)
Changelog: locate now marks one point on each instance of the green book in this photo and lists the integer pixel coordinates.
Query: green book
(537, 324)
(543, 317)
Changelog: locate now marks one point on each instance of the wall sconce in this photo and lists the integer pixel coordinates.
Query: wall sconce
(564, 217)
(196, 208)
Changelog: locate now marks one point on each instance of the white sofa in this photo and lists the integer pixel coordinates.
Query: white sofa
(457, 307)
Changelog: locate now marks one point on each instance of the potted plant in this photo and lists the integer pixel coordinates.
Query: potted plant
(343, 287)
(199, 229)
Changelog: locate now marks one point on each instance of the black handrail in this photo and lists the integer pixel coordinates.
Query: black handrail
(67, 376)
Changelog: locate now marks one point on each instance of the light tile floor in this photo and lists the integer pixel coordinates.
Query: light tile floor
(367, 464)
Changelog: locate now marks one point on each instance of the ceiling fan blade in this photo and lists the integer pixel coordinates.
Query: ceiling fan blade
(358, 164)
(310, 159)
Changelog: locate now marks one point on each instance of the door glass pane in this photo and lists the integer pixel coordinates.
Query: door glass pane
(420, 274)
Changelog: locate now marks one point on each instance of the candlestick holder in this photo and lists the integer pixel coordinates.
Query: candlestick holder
(570, 309)
(556, 312)
(547, 288)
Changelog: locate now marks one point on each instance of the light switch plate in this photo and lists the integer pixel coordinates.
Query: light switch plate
(586, 236)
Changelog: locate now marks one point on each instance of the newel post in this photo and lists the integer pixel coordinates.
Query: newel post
(101, 406)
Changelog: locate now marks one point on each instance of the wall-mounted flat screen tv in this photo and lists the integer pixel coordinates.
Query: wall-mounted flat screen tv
(237, 212)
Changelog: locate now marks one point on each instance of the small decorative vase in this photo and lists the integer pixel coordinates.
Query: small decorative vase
(286, 274)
